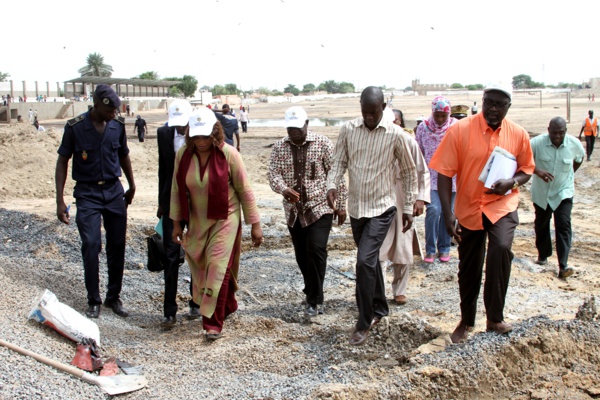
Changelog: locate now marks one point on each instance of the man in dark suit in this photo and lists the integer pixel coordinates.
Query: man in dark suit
(170, 138)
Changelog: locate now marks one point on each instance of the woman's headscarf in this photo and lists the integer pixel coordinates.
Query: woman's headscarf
(439, 104)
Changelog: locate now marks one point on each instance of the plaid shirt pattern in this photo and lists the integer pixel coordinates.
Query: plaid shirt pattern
(312, 162)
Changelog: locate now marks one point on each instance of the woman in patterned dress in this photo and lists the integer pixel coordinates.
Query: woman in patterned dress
(210, 188)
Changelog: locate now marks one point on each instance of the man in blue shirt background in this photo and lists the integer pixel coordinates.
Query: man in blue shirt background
(229, 123)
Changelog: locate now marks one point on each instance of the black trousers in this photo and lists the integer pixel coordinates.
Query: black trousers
(472, 253)
(171, 271)
(589, 145)
(97, 203)
(369, 234)
(244, 126)
(310, 247)
(562, 228)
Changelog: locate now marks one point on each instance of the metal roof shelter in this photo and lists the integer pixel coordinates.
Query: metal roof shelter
(123, 87)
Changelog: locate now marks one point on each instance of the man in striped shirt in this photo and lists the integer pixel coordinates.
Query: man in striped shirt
(368, 149)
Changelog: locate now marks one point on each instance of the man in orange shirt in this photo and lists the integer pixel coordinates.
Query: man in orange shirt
(481, 212)
(590, 129)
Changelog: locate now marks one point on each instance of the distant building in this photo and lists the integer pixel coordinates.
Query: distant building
(595, 83)
(228, 99)
(422, 89)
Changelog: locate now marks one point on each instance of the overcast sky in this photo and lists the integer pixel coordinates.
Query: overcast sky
(272, 43)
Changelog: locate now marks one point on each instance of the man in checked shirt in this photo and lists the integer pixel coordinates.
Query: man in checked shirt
(298, 170)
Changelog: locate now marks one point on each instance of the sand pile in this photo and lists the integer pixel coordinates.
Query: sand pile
(27, 161)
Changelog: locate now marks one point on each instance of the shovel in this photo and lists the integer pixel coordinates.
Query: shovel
(110, 384)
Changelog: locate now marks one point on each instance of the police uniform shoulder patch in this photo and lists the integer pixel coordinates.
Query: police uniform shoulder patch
(75, 120)
(120, 119)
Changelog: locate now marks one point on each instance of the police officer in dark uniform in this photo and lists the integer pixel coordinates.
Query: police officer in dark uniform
(97, 143)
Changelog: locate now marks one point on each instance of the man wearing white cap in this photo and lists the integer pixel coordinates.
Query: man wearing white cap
(210, 190)
(298, 170)
(482, 213)
(170, 138)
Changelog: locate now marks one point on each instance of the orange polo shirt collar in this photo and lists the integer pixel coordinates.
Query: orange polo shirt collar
(464, 151)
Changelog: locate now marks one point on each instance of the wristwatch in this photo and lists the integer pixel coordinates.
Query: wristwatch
(515, 184)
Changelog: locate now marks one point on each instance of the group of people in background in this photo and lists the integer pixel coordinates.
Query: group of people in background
(394, 176)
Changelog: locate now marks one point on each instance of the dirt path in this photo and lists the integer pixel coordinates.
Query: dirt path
(550, 355)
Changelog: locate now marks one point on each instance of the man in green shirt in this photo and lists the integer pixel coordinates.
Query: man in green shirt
(557, 156)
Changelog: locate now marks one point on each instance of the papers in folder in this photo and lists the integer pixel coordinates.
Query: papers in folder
(500, 165)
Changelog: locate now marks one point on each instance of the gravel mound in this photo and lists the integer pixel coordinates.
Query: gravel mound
(270, 349)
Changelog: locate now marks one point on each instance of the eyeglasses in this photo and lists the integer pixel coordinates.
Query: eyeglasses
(487, 103)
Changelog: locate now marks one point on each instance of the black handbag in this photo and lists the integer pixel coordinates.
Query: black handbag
(157, 257)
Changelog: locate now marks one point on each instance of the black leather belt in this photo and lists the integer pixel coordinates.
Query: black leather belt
(100, 183)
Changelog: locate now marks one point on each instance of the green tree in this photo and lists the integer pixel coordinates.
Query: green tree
(263, 90)
(521, 81)
(475, 86)
(330, 86)
(218, 90)
(153, 75)
(564, 85)
(3, 76)
(231, 88)
(336, 87)
(276, 92)
(292, 89)
(206, 88)
(188, 85)
(228, 88)
(456, 86)
(95, 66)
(346, 87)
(308, 88)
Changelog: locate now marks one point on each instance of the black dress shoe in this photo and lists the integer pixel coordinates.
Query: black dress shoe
(93, 311)
(117, 307)
(168, 322)
(541, 261)
(194, 313)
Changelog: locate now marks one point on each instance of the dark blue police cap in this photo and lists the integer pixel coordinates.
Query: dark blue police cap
(107, 96)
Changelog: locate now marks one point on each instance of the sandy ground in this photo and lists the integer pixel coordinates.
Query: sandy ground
(27, 161)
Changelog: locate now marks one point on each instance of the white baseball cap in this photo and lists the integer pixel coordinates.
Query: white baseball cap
(295, 117)
(388, 115)
(179, 112)
(201, 122)
(501, 87)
